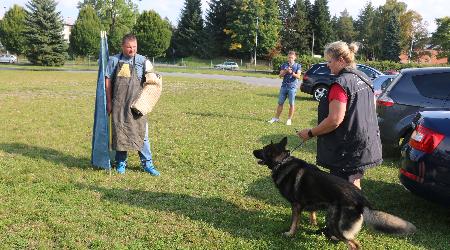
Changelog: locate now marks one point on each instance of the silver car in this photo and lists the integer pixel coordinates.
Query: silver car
(227, 65)
(8, 59)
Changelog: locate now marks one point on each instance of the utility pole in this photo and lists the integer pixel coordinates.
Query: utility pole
(256, 39)
(312, 45)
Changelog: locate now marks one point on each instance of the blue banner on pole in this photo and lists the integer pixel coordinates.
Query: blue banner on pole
(100, 155)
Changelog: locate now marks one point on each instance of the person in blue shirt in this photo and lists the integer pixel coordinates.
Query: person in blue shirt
(290, 72)
(124, 78)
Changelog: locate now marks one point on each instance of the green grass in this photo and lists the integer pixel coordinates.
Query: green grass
(211, 193)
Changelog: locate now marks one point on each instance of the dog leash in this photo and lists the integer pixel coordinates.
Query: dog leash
(299, 145)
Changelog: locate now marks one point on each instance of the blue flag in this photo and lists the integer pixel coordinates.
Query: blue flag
(100, 155)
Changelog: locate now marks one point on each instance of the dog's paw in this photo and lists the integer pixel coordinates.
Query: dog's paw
(288, 234)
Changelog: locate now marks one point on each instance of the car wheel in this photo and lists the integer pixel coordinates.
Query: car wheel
(319, 92)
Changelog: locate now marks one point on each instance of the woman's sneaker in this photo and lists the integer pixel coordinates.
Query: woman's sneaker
(151, 170)
(273, 120)
(120, 168)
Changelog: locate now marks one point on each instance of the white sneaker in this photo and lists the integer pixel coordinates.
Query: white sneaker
(289, 122)
(273, 120)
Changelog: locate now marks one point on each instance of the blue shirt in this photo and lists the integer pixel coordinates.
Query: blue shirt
(288, 79)
(114, 60)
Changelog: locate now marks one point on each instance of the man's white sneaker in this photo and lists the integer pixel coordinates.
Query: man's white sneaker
(289, 122)
(274, 120)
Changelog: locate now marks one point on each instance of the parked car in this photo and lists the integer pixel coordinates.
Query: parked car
(413, 90)
(227, 65)
(317, 80)
(381, 82)
(425, 163)
(391, 72)
(8, 59)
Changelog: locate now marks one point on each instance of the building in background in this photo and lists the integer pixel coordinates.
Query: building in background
(68, 25)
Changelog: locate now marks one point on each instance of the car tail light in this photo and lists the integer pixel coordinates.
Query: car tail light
(305, 77)
(385, 101)
(412, 176)
(425, 139)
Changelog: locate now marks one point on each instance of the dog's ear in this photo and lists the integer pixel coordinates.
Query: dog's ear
(283, 142)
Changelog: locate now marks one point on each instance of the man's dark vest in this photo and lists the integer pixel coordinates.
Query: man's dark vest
(355, 144)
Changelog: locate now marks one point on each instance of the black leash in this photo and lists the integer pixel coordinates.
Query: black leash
(297, 147)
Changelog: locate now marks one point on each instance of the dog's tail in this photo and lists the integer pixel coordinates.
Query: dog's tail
(387, 223)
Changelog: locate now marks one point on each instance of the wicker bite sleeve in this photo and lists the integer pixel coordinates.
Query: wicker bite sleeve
(149, 95)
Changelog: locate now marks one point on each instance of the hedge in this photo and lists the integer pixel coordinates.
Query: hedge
(308, 61)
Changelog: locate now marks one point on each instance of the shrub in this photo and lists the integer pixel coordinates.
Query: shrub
(304, 60)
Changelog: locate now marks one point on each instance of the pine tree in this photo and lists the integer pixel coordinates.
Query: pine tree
(85, 35)
(321, 25)
(189, 36)
(153, 34)
(334, 28)
(286, 32)
(391, 43)
(12, 27)
(218, 19)
(345, 30)
(298, 31)
(365, 32)
(46, 45)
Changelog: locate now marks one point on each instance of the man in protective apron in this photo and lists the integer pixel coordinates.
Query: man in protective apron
(123, 82)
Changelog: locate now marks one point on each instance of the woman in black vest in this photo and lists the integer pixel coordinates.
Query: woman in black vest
(348, 137)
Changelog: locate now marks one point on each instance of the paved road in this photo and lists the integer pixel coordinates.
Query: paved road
(261, 81)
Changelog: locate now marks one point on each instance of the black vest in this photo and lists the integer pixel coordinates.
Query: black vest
(355, 144)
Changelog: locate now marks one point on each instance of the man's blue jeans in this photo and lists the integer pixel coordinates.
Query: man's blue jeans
(145, 154)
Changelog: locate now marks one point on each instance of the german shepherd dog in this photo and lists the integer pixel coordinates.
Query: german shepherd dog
(308, 188)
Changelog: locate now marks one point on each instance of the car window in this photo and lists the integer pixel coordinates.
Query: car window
(322, 70)
(367, 71)
(435, 85)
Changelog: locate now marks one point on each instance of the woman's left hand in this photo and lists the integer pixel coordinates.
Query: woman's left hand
(304, 134)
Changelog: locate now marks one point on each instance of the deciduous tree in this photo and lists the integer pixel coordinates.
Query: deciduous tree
(441, 37)
(12, 28)
(117, 16)
(153, 34)
(85, 35)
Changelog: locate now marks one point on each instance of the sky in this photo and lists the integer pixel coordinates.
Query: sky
(429, 9)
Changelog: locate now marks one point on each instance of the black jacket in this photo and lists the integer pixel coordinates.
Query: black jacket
(355, 144)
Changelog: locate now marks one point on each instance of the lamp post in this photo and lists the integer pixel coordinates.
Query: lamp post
(256, 39)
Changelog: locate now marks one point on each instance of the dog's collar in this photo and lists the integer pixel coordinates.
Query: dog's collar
(288, 157)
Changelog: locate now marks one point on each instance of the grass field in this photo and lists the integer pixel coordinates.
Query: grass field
(211, 193)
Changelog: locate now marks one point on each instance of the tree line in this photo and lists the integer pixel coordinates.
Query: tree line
(229, 28)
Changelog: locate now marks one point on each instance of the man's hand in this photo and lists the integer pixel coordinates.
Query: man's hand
(303, 134)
